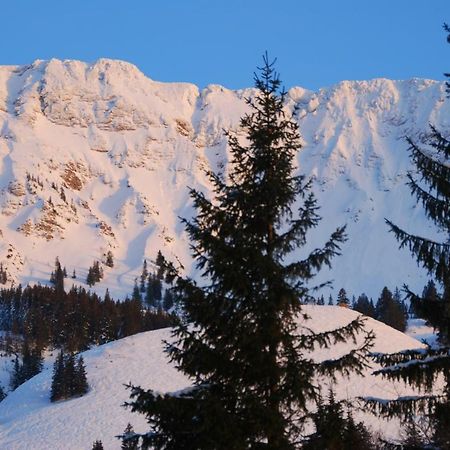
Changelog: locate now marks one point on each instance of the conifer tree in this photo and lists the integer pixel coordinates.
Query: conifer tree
(335, 431)
(90, 277)
(160, 264)
(97, 445)
(30, 366)
(237, 337)
(109, 259)
(432, 189)
(70, 371)
(356, 436)
(391, 310)
(80, 380)
(31, 361)
(136, 295)
(16, 377)
(2, 393)
(130, 440)
(3, 275)
(57, 277)
(58, 387)
(342, 298)
(429, 304)
(69, 375)
(95, 274)
(157, 289)
(144, 275)
(149, 293)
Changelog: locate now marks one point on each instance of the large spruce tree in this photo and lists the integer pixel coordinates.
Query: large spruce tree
(431, 187)
(238, 337)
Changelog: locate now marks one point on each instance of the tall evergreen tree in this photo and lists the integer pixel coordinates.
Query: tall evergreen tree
(432, 189)
(153, 295)
(58, 388)
(80, 384)
(160, 264)
(70, 374)
(144, 276)
(237, 337)
(136, 295)
(2, 393)
(157, 289)
(57, 277)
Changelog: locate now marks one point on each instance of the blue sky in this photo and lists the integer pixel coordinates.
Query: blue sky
(317, 42)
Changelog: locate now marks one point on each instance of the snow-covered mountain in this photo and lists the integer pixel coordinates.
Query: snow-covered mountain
(98, 157)
(30, 421)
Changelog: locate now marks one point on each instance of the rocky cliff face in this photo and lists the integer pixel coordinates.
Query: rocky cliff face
(98, 157)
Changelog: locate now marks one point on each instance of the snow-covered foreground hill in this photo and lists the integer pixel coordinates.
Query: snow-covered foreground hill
(29, 420)
(98, 157)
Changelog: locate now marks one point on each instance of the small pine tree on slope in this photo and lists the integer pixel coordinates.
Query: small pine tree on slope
(238, 336)
(97, 445)
(421, 369)
(129, 439)
(335, 431)
(342, 299)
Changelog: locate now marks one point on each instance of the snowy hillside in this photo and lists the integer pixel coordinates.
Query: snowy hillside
(98, 157)
(29, 420)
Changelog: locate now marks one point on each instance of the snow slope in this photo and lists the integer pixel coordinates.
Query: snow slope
(124, 148)
(29, 420)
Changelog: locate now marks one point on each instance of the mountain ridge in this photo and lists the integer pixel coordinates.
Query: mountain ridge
(122, 149)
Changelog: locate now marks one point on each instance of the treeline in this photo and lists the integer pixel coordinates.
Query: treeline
(389, 308)
(45, 316)
(29, 366)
